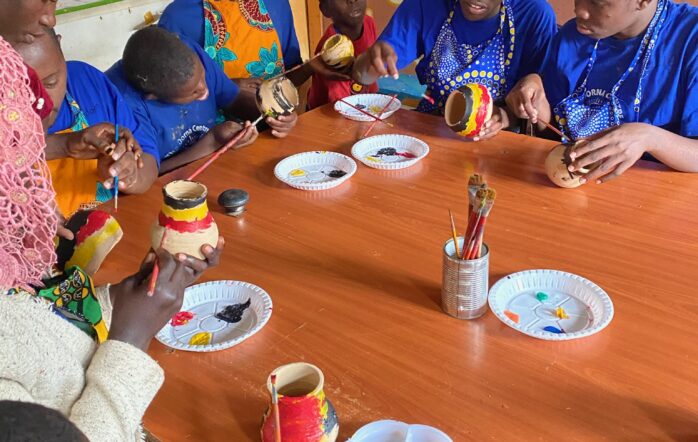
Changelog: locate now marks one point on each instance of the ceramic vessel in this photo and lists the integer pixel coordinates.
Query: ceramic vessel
(304, 412)
(468, 108)
(95, 233)
(277, 96)
(185, 218)
(556, 167)
(338, 52)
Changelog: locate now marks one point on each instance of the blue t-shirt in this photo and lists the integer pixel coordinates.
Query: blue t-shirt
(186, 18)
(100, 102)
(416, 24)
(670, 87)
(179, 126)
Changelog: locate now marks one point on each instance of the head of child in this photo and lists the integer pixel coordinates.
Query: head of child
(346, 15)
(26, 422)
(45, 56)
(162, 67)
(21, 21)
(618, 18)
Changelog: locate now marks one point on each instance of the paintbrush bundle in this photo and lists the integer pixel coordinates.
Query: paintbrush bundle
(482, 206)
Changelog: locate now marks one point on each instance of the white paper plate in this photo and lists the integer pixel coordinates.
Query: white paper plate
(589, 308)
(207, 299)
(390, 151)
(315, 170)
(371, 103)
(396, 431)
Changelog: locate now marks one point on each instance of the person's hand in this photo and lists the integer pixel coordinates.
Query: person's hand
(281, 126)
(62, 231)
(199, 266)
(498, 121)
(613, 151)
(227, 130)
(248, 84)
(137, 317)
(98, 139)
(125, 167)
(379, 60)
(527, 98)
(322, 69)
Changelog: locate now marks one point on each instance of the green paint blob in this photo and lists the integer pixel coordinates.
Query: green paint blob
(541, 296)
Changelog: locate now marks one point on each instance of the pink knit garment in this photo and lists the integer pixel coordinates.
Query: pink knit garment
(28, 219)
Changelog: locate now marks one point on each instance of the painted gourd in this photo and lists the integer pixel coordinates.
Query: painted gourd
(468, 108)
(305, 414)
(277, 96)
(338, 52)
(185, 217)
(556, 167)
(95, 233)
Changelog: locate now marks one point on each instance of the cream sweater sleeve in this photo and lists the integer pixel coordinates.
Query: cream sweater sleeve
(121, 381)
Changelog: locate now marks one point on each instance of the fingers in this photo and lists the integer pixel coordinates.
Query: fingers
(127, 171)
(491, 128)
(282, 125)
(64, 233)
(95, 142)
(599, 152)
(531, 111)
(606, 167)
(619, 170)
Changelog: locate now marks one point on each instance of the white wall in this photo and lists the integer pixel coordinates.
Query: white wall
(98, 35)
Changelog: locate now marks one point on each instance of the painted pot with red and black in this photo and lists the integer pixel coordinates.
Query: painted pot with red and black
(468, 108)
(305, 414)
(186, 220)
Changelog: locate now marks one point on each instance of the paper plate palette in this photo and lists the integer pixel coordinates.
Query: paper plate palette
(217, 315)
(396, 431)
(315, 170)
(371, 103)
(390, 151)
(551, 305)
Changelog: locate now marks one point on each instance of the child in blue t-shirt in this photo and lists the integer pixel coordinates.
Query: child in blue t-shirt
(81, 146)
(625, 78)
(177, 92)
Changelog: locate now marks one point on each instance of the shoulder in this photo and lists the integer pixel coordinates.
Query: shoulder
(682, 21)
(181, 9)
(118, 78)
(85, 77)
(532, 12)
(81, 68)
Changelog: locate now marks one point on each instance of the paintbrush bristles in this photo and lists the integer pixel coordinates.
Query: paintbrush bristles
(476, 180)
(454, 232)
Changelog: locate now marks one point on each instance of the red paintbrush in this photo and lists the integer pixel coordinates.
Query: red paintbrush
(224, 149)
(553, 128)
(156, 268)
(368, 114)
(380, 114)
(275, 405)
(485, 200)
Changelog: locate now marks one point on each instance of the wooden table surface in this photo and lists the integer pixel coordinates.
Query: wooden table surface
(355, 277)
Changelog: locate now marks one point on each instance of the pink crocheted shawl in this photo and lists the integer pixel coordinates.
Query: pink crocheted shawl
(27, 209)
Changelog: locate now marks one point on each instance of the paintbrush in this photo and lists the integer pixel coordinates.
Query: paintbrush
(428, 98)
(475, 182)
(156, 268)
(553, 128)
(116, 178)
(454, 232)
(486, 198)
(283, 73)
(225, 148)
(275, 405)
(380, 114)
(368, 114)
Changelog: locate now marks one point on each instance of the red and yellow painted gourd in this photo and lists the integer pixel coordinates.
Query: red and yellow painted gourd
(95, 233)
(468, 108)
(186, 219)
(305, 414)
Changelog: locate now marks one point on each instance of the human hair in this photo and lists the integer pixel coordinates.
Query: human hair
(28, 422)
(157, 62)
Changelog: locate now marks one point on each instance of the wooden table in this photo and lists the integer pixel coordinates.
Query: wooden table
(355, 277)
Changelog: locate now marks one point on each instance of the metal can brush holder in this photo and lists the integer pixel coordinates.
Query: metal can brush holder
(465, 282)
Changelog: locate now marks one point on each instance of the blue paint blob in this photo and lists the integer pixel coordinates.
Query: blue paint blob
(552, 329)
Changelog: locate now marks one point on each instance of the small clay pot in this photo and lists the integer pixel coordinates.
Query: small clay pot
(186, 219)
(556, 167)
(277, 96)
(338, 52)
(305, 413)
(468, 108)
(233, 201)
